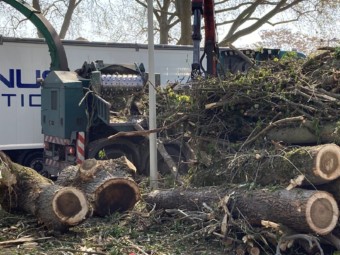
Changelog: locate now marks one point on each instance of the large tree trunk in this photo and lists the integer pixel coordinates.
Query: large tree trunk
(183, 8)
(319, 164)
(23, 189)
(108, 184)
(302, 210)
(306, 133)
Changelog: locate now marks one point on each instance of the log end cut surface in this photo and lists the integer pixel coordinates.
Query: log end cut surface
(70, 205)
(322, 213)
(328, 162)
(116, 195)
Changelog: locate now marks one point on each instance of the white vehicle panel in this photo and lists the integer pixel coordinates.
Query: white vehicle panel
(22, 61)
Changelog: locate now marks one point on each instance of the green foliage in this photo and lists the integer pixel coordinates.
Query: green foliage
(178, 99)
(102, 154)
(290, 55)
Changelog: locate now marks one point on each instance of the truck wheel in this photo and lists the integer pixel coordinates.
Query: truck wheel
(104, 149)
(33, 160)
(176, 154)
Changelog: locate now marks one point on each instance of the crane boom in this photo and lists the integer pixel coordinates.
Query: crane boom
(56, 49)
(206, 9)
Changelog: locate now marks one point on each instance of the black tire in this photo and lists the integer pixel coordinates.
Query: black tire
(115, 149)
(34, 160)
(176, 154)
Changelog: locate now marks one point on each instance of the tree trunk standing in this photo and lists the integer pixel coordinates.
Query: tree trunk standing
(72, 4)
(183, 8)
(107, 184)
(164, 23)
(305, 211)
(23, 189)
(319, 164)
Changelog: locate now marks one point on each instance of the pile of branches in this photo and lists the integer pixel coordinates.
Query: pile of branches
(240, 106)
(272, 130)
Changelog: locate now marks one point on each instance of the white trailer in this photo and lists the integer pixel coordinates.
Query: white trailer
(22, 61)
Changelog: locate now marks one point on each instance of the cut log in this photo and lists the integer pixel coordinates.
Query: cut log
(306, 134)
(23, 189)
(188, 199)
(302, 210)
(305, 211)
(319, 164)
(108, 184)
(62, 207)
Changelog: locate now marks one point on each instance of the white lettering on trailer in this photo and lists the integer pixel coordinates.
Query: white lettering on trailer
(24, 60)
(14, 81)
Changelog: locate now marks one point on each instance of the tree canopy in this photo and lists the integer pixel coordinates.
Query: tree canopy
(125, 21)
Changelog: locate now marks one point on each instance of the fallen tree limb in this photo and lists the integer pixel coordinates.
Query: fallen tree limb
(147, 132)
(305, 211)
(273, 125)
(23, 189)
(305, 133)
(318, 164)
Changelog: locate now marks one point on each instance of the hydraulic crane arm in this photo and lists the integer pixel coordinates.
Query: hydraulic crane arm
(197, 11)
(210, 42)
(206, 9)
(56, 49)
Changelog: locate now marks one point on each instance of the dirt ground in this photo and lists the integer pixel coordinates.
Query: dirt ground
(136, 232)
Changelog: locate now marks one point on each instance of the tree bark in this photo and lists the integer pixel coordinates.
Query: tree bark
(108, 184)
(302, 210)
(319, 164)
(23, 189)
(305, 133)
(183, 9)
(305, 211)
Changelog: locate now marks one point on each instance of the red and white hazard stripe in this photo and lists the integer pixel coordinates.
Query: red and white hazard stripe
(56, 164)
(80, 147)
(57, 140)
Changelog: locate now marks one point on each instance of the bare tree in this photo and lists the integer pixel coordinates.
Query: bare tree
(238, 17)
(285, 38)
(125, 21)
(109, 20)
(166, 16)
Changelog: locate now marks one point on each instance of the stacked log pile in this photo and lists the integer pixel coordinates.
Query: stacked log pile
(269, 139)
(23, 189)
(100, 187)
(108, 184)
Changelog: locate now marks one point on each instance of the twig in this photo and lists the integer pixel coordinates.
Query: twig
(146, 132)
(136, 247)
(310, 239)
(273, 125)
(22, 240)
(334, 95)
(80, 251)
